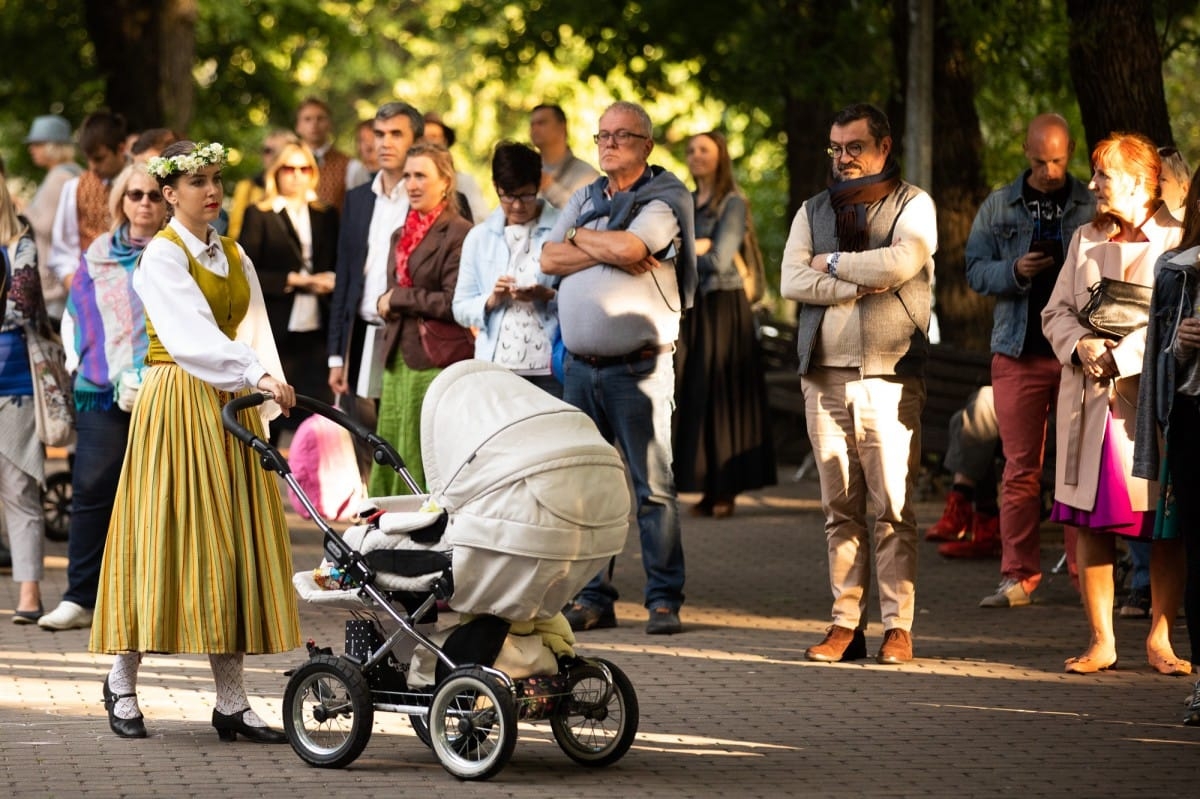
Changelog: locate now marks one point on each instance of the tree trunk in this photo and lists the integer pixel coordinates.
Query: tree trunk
(125, 35)
(177, 87)
(1119, 86)
(959, 188)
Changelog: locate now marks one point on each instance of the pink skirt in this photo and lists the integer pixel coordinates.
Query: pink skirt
(1113, 512)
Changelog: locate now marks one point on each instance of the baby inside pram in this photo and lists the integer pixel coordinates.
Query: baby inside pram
(456, 594)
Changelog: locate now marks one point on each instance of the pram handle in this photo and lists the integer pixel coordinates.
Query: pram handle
(383, 453)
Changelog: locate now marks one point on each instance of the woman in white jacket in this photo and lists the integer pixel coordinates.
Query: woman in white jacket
(501, 290)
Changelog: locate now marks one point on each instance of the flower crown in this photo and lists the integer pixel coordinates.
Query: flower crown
(202, 156)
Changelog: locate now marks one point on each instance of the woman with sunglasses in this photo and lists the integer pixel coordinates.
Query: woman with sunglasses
(110, 338)
(291, 237)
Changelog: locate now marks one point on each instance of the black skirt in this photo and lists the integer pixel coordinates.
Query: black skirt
(722, 442)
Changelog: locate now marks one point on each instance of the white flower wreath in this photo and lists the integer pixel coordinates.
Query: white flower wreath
(204, 155)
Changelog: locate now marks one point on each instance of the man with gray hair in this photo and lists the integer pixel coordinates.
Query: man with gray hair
(859, 259)
(625, 249)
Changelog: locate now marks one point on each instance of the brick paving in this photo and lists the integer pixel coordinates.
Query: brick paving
(730, 708)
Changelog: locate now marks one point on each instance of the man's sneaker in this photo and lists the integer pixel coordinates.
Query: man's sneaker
(840, 644)
(982, 541)
(956, 518)
(1136, 604)
(585, 617)
(67, 616)
(1009, 594)
(1192, 717)
(663, 621)
(896, 649)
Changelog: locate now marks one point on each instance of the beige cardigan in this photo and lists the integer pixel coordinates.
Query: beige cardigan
(1082, 401)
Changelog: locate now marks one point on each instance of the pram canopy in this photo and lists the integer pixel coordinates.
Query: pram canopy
(537, 499)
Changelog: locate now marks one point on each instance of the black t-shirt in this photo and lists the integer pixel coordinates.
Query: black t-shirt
(1046, 210)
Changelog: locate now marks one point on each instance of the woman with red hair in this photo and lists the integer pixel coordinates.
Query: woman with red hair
(1095, 490)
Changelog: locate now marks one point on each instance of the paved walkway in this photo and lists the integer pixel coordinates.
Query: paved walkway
(729, 708)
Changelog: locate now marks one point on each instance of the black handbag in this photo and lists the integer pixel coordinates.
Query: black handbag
(1116, 308)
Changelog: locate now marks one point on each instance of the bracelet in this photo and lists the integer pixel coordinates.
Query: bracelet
(831, 263)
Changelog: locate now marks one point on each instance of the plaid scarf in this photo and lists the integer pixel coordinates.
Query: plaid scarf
(850, 199)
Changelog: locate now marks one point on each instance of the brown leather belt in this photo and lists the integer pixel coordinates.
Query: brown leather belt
(644, 354)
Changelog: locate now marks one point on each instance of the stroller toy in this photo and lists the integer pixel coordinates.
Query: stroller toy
(455, 595)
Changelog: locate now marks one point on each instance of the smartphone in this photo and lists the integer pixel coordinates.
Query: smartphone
(1051, 247)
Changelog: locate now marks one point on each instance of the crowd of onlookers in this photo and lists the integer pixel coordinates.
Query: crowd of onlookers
(626, 294)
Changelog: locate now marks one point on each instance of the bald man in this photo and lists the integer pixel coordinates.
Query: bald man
(1014, 253)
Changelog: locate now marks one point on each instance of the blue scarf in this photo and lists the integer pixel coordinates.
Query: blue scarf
(110, 322)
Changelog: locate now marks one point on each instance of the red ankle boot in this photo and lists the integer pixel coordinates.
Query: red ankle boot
(955, 521)
(983, 541)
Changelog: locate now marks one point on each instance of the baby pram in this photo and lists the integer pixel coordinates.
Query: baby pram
(526, 503)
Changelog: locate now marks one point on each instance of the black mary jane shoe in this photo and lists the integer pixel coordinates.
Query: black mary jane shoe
(228, 727)
(124, 728)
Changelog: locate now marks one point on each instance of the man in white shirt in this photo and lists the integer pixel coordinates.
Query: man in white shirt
(372, 212)
(82, 212)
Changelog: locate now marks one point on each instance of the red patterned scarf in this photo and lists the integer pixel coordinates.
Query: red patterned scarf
(91, 200)
(416, 226)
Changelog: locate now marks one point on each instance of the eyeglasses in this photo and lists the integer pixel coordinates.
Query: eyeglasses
(523, 199)
(303, 170)
(620, 137)
(854, 149)
(137, 195)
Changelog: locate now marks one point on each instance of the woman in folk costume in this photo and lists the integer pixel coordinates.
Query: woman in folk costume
(198, 558)
(424, 273)
(1094, 487)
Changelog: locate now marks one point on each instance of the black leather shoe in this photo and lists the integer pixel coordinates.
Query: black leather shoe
(228, 727)
(124, 728)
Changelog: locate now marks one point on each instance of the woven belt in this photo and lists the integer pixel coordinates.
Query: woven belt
(644, 354)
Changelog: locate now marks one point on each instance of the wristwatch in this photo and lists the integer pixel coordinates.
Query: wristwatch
(571, 235)
(831, 263)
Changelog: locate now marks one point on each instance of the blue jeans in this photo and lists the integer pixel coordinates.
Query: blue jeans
(631, 405)
(99, 454)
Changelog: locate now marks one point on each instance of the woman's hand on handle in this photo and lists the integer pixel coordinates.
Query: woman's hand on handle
(282, 393)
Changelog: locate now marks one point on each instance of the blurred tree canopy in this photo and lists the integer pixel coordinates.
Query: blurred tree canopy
(770, 73)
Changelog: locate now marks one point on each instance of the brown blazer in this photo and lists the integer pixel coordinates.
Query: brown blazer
(433, 267)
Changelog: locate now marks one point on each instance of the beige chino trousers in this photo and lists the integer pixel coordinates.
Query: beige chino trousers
(866, 437)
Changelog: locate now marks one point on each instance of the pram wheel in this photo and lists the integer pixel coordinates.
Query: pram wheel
(327, 711)
(420, 725)
(473, 724)
(596, 722)
(56, 505)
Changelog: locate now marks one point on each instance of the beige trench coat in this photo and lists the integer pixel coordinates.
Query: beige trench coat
(1082, 401)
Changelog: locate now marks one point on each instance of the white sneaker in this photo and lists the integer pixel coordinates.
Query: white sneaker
(1009, 594)
(67, 616)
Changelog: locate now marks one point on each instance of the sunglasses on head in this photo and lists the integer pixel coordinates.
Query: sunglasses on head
(137, 195)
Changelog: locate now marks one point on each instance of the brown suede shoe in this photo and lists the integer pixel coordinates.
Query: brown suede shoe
(840, 644)
(896, 649)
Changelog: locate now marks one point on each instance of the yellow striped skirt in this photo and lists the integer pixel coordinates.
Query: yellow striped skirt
(198, 557)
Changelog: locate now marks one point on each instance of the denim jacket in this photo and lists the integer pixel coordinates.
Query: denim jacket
(1001, 233)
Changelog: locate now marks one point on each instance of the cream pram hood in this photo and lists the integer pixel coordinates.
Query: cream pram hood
(537, 499)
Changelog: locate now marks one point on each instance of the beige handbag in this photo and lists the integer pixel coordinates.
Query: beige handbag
(53, 403)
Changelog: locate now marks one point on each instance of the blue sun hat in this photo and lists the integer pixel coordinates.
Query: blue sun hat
(51, 128)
